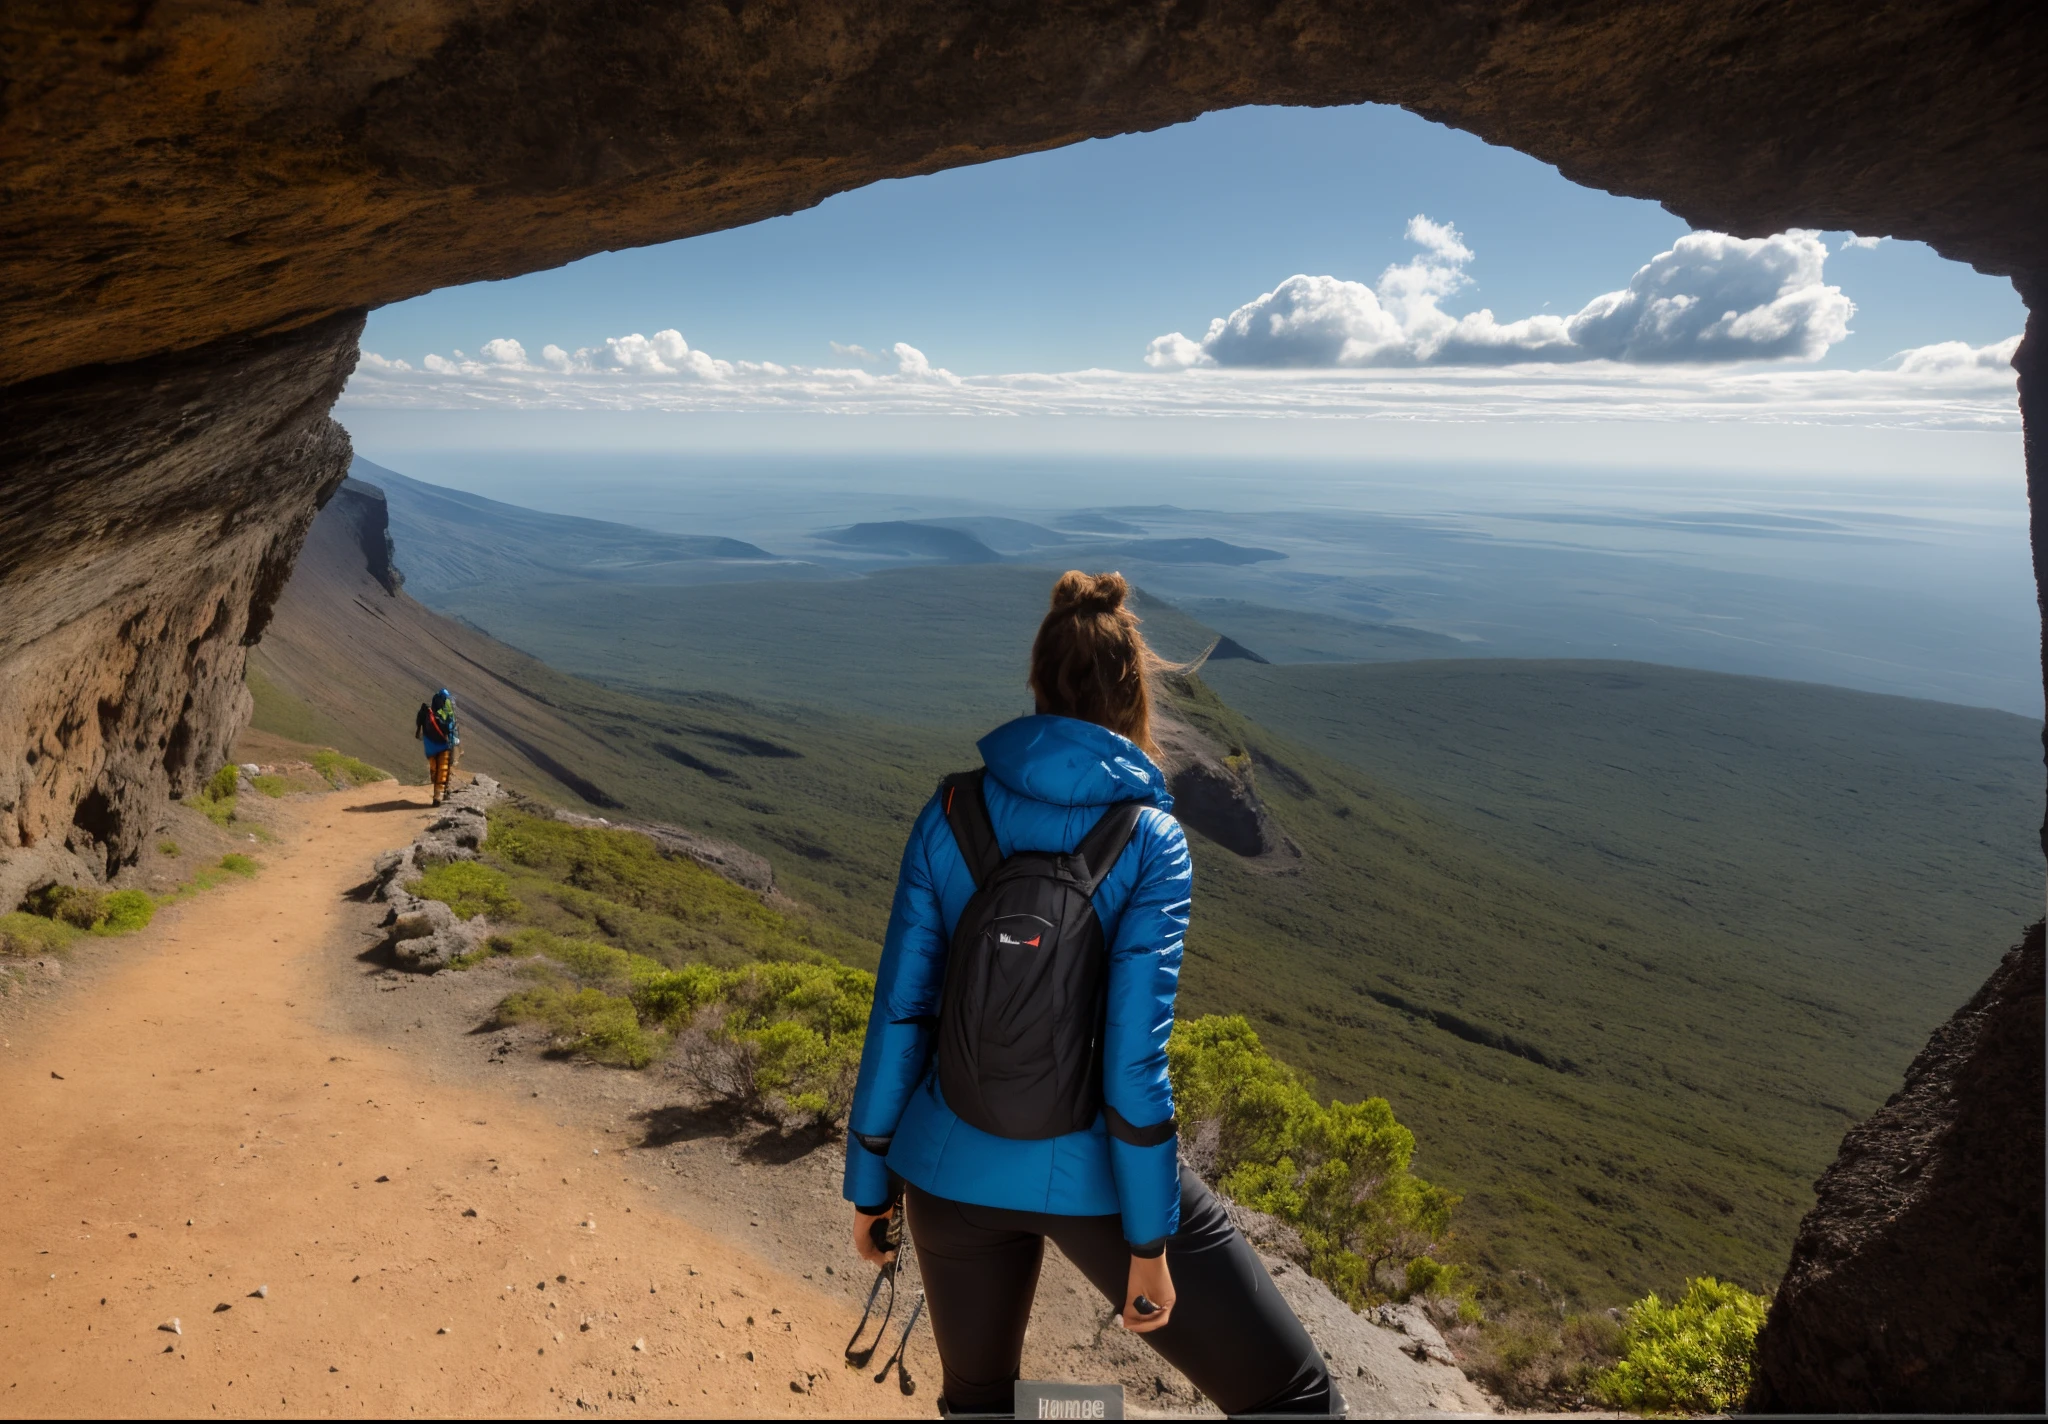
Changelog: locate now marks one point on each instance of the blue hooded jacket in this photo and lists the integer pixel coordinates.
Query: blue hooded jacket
(1049, 779)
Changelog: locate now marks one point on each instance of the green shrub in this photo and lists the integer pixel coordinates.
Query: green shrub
(1428, 1276)
(673, 996)
(1695, 1356)
(235, 863)
(78, 906)
(125, 911)
(270, 785)
(779, 1040)
(25, 934)
(169, 848)
(343, 771)
(216, 800)
(1337, 1173)
(469, 889)
(591, 1022)
(799, 1029)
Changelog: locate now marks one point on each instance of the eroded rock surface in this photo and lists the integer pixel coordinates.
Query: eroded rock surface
(149, 516)
(1915, 1283)
(181, 172)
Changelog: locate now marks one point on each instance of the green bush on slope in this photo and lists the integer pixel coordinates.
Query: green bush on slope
(594, 883)
(469, 889)
(1693, 1356)
(1337, 1172)
(779, 1040)
(216, 800)
(343, 771)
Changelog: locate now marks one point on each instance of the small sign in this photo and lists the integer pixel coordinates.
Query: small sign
(1049, 1399)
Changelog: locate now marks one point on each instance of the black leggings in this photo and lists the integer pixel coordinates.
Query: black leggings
(1231, 1334)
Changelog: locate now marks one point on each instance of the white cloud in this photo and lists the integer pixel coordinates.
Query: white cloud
(911, 362)
(1952, 386)
(1711, 298)
(1958, 358)
(504, 351)
(1550, 377)
(1857, 240)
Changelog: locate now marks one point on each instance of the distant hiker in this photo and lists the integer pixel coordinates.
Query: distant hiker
(435, 727)
(1013, 1085)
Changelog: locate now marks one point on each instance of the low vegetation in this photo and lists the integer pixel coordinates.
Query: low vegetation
(1335, 1172)
(620, 888)
(343, 771)
(25, 934)
(778, 1040)
(469, 889)
(216, 800)
(1695, 1355)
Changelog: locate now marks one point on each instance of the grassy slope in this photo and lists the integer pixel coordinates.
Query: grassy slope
(1731, 1002)
(1712, 1074)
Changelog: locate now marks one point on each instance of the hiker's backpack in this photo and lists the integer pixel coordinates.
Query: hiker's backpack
(1020, 1026)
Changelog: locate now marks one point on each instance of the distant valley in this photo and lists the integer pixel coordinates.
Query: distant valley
(1627, 946)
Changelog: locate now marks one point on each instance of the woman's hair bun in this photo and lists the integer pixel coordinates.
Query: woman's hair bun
(1077, 592)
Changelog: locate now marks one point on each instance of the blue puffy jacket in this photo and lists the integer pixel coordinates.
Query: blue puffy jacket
(1049, 779)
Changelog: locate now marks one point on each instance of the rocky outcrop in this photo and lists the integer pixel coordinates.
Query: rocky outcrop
(1915, 1284)
(1214, 793)
(149, 516)
(426, 934)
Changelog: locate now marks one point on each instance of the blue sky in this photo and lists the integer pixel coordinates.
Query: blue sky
(1077, 258)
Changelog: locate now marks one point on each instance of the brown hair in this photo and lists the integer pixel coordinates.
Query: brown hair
(1089, 660)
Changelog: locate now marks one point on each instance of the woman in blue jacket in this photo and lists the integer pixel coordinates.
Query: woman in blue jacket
(1112, 1196)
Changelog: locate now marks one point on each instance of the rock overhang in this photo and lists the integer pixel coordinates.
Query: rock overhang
(180, 173)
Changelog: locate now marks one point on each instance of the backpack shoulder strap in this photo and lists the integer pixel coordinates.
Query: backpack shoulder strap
(1104, 844)
(967, 813)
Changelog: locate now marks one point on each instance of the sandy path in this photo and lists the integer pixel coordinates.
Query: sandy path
(208, 1136)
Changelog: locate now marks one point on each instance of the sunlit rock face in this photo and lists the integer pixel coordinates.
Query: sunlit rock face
(149, 516)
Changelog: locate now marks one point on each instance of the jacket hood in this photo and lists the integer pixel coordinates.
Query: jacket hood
(1067, 762)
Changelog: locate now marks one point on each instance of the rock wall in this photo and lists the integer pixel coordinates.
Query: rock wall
(1916, 1280)
(149, 516)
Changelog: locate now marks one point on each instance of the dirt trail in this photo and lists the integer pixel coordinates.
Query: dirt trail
(183, 1130)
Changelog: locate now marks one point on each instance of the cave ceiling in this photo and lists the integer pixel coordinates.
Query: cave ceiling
(180, 172)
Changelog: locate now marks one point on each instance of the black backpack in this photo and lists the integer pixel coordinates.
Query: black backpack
(1020, 1027)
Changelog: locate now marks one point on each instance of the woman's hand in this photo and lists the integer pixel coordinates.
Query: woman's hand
(1150, 1279)
(865, 1234)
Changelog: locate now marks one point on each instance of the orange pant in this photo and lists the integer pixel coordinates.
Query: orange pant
(438, 767)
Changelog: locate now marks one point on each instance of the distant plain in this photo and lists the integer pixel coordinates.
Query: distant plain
(1629, 946)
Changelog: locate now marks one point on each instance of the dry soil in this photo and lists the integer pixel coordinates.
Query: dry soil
(217, 1202)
